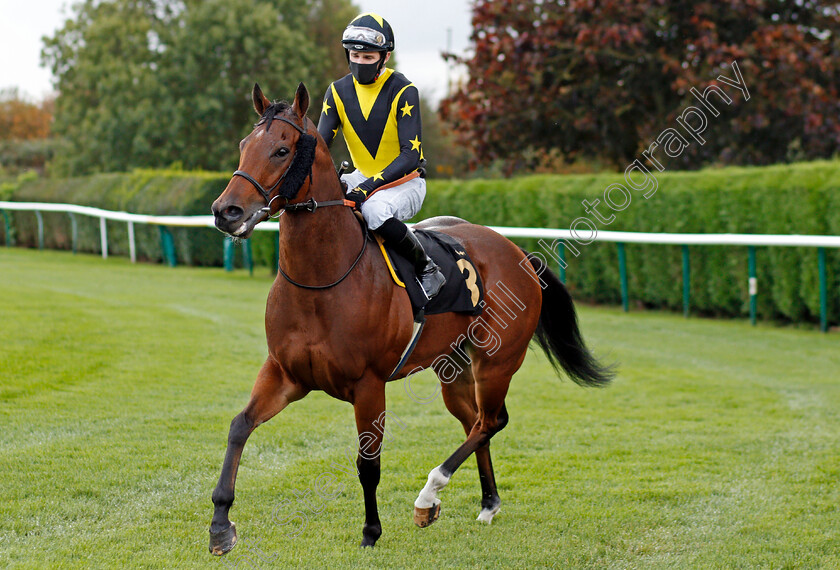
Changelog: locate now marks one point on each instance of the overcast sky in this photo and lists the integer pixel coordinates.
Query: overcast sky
(420, 28)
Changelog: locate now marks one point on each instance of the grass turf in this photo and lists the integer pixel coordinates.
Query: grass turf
(716, 447)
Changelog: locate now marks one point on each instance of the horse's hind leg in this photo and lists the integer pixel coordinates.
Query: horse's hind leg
(491, 388)
(490, 500)
(459, 397)
(271, 393)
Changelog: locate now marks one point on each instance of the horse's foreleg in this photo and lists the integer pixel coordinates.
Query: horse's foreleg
(271, 393)
(369, 406)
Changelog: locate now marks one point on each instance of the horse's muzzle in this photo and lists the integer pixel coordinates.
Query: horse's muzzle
(233, 220)
(230, 214)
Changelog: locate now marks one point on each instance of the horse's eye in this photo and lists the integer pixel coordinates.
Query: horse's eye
(281, 152)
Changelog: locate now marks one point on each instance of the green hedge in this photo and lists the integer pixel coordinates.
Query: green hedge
(785, 199)
(153, 192)
(141, 192)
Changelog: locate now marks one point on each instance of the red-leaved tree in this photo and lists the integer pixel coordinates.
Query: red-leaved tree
(601, 78)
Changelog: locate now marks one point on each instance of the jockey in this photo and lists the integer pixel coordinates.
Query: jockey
(378, 111)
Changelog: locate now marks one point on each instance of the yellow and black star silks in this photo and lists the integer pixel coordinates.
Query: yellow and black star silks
(380, 123)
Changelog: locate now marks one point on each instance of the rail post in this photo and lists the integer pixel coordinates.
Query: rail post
(10, 240)
(103, 237)
(167, 246)
(74, 232)
(823, 291)
(248, 256)
(229, 250)
(686, 272)
(40, 218)
(753, 285)
(277, 252)
(561, 263)
(132, 246)
(622, 272)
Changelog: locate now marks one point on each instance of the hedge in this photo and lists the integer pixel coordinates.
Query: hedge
(784, 199)
(154, 192)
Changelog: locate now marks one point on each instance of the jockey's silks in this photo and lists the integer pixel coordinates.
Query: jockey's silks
(380, 123)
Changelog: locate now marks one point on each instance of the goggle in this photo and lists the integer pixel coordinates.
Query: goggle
(354, 34)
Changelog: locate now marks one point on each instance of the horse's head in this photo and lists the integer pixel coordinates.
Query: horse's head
(274, 162)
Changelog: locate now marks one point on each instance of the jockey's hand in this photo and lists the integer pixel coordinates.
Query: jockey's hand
(358, 196)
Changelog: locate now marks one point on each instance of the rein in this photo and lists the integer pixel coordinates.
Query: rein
(346, 273)
(310, 205)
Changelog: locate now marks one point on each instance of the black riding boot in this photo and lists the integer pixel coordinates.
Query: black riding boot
(427, 270)
(410, 247)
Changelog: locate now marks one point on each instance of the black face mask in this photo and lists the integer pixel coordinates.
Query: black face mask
(365, 73)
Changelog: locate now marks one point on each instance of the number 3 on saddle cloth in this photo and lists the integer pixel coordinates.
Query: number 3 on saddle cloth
(462, 293)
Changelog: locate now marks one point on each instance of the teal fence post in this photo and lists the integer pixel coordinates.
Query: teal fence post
(74, 232)
(753, 285)
(622, 271)
(248, 256)
(276, 252)
(561, 265)
(40, 219)
(10, 239)
(686, 270)
(228, 253)
(823, 291)
(167, 246)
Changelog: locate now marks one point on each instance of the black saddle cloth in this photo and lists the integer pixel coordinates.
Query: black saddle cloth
(463, 292)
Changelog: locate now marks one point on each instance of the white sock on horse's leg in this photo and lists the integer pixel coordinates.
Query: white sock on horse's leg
(428, 496)
(486, 515)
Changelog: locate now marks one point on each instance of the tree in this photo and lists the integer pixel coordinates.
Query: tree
(24, 132)
(21, 119)
(148, 83)
(601, 79)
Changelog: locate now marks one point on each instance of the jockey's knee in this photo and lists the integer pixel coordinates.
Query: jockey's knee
(375, 213)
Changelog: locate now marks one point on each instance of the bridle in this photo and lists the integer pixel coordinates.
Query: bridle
(310, 205)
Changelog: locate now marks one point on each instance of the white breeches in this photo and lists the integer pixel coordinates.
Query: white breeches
(401, 202)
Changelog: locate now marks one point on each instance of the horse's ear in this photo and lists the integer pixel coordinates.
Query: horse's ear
(301, 104)
(261, 103)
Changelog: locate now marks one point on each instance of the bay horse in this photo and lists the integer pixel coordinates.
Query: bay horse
(335, 321)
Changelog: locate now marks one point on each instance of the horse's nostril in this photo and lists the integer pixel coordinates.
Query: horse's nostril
(232, 213)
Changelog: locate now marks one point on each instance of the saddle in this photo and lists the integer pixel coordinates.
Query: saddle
(463, 292)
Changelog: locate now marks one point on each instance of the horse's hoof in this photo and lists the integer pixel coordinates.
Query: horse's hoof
(223, 541)
(486, 515)
(370, 534)
(425, 517)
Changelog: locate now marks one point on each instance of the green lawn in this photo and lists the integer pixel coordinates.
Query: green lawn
(716, 447)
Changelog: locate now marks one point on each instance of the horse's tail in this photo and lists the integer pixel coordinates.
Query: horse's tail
(558, 333)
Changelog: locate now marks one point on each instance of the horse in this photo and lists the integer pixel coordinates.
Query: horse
(335, 321)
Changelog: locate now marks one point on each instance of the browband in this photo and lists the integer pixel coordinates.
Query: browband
(285, 120)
